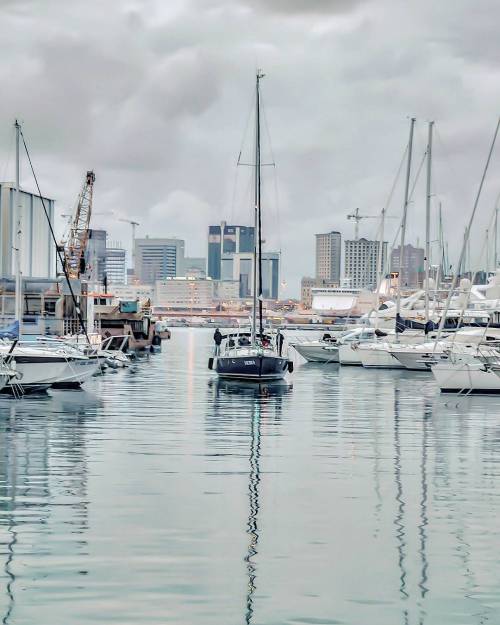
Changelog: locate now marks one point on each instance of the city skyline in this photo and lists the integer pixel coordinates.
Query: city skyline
(348, 135)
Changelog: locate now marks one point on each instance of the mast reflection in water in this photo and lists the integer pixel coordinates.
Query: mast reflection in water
(264, 402)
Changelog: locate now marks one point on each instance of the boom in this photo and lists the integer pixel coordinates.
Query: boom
(74, 251)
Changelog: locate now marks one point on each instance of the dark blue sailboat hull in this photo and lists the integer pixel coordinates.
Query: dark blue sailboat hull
(249, 367)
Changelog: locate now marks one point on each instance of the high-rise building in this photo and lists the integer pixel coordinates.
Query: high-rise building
(239, 266)
(38, 250)
(412, 274)
(328, 256)
(116, 271)
(95, 255)
(157, 259)
(224, 239)
(361, 262)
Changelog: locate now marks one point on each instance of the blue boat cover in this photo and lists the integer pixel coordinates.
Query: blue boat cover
(10, 332)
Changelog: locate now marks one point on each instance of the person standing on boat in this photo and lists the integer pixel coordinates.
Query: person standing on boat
(217, 341)
(279, 342)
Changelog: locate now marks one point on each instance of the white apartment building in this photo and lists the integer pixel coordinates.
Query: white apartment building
(361, 262)
(184, 293)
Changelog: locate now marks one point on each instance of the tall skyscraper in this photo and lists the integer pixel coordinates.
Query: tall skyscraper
(412, 274)
(361, 262)
(328, 256)
(224, 239)
(116, 271)
(157, 259)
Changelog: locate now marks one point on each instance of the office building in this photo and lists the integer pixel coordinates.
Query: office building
(361, 262)
(224, 239)
(157, 259)
(240, 267)
(38, 250)
(328, 256)
(184, 293)
(116, 271)
(412, 274)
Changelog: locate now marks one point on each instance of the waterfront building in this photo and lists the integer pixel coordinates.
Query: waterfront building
(157, 259)
(225, 239)
(38, 250)
(227, 291)
(195, 268)
(184, 293)
(116, 265)
(132, 291)
(307, 284)
(328, 256)
(361, 262)
(412, 274)
(240, 267)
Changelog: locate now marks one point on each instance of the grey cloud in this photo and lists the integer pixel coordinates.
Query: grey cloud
(155, 97)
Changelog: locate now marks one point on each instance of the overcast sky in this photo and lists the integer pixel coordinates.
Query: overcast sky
(155, 96)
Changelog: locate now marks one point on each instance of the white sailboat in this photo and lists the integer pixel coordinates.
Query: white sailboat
(37, 366)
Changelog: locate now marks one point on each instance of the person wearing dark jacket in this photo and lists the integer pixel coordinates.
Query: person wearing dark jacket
(217, 341)
(279, 342)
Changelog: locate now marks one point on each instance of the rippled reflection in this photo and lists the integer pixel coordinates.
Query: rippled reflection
(164, 495)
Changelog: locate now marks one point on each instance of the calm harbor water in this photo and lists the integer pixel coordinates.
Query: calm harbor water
(159, 495)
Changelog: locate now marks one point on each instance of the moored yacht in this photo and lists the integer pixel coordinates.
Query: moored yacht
(323, 350)
(253, 356)
(467, 376)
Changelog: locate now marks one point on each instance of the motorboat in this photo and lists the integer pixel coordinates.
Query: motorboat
(348, 353)
(36, 367)
(323, 350)
(378, 355)
(467, 376)
(421, 356)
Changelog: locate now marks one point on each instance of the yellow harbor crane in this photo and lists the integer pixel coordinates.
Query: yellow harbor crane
(75, 246)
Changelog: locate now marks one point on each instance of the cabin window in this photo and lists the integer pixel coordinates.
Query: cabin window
(50, 308)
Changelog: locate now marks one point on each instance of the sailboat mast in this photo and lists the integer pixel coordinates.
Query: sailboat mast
(18, 311)
(428, 220)
(257, 258)
(405, 213)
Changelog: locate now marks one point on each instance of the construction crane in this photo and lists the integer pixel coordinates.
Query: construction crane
(134, 224)
(357, 217)
(74, 248)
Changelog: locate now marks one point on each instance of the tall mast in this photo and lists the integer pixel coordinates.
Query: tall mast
(405, 212)
(257, 257)
(495, 252)
(428, 220)
(442, 263)
(487, 253)
(17, 239)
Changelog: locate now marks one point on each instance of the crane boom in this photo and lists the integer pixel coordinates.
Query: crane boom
(74, 251)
